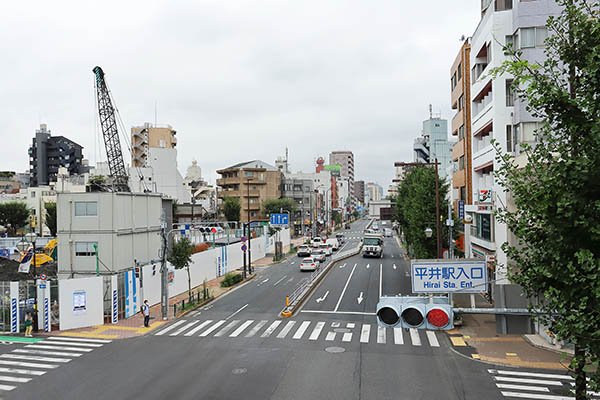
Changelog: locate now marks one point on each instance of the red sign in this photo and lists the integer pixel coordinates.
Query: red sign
(43, 277)
(243, 239)
(244, 248)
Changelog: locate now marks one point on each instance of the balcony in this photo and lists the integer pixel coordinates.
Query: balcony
(458, 150)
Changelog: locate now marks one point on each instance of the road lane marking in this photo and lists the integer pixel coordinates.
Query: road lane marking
(168, 328)
(47, 353)
(241, 328)
(360, 298)
(381, 334)
(212, 328)
(28, 364)
(320, 299)
(227, 328)
(350, 325)
(70, 339)
(258, 326)
(342, 266)
(35, 358)
(532, 374)
(303, 327)
(76, 344)
(15, 379)
(535, 396)
(330, 336)
(286, 329)
(392, 256)
(414, 337)
(22, 371)
(196, 329)
(236, 312)
(317, 331)
(184, 328)
(368, 265)
(347, 337)
(345, 287)
(527, 380)
(398, 338)
(7, 387)
(433, 342)
(380, 279)
(270, 329)
(276, 283)
(338, 312)
(522, 387)
(394, 266)
(293, 262)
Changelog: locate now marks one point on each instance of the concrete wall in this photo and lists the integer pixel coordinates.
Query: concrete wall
(93, 314)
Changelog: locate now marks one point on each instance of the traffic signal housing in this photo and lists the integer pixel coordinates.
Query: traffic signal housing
(415, 312)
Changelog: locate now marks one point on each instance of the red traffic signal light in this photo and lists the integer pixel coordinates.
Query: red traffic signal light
(440, 316)
(213, 229)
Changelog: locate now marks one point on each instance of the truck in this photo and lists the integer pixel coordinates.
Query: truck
(372, 245)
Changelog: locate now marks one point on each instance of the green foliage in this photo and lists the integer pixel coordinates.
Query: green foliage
(337, 217)
(275, 206)
(231, 279)
(180, 257)
(415, 211)
(14, 213)
(556, 255)
(7, 174)
(51, 217)
(355, 214)
(231, 208)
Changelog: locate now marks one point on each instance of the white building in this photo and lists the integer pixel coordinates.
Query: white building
(375, 191)
(124, 227)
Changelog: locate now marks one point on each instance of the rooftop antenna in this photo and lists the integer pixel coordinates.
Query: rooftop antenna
(155, 113)
(430, 112)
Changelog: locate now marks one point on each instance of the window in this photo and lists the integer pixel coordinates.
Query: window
(253, 214)
(463, 193)
(540, 36)
(509, 139)
(527, 37)
(249, 174)
(252, 201)
(502, 5)
(529, 131)
(253, 187)
(33, 194)
(461, 163)
(86, 208)
(461, 102)
(453, 81)
(508, 40)
(483, 226)
(459, 71)
(510, 95)
(461, 132)
(85, 249)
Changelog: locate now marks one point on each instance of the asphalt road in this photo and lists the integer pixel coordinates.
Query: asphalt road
(239, 347)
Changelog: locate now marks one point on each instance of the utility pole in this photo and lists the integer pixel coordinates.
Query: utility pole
(164, 292)
(450, 224)
(249, 228)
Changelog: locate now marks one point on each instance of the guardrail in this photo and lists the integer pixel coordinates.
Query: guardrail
(306, 285)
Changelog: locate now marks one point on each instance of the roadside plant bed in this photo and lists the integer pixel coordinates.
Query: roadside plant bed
(231, 279)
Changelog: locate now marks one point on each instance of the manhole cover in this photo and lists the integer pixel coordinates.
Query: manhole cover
(239, 371)
(341, 330)
(335, 349)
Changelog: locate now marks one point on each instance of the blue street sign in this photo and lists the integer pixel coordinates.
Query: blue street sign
(244, 248)
(279, 219)
(243, 239)
(461, 209)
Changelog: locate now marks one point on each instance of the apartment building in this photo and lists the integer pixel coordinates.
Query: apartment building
(252, 183)
(150, 136)
(301, 190)
(496, 114)
(345, 159)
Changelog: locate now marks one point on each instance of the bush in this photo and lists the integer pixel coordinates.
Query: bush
(231, 279)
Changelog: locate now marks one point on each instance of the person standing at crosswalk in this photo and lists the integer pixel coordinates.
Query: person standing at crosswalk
(146, 311)
(28, 325)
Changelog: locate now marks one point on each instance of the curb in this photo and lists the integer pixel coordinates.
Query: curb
(557, 351)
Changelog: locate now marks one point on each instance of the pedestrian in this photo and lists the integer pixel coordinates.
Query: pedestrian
(28, 325)
(146, 311)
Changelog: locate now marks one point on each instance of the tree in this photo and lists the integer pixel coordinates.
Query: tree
(14, 213)
(51, 217)
(415, 211)
(337, 217)
(275, 206)
(231, 208)
(180, 257)
(556, 193)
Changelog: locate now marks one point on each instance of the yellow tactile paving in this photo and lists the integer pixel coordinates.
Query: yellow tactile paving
(516, 362)
(453, 332)
(457, 341)
(100, 331)
(494, 339)
(476, 356)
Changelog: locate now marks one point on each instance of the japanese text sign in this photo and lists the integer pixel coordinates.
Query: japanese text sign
(443, 276)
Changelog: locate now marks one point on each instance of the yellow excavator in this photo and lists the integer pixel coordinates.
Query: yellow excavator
(48, 255)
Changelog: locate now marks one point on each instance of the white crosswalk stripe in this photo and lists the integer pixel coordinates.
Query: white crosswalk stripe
(48, 353)
(28, 364)
(292, 329)
(241, 328)
(42, 345)
(7, 387)
(77, 344)
(35, 358)
(71, 339)
(21, 371)
(14, 379)
(534, 385)
(168, 328)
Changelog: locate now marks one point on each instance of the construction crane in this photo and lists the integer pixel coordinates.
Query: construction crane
(110, 132)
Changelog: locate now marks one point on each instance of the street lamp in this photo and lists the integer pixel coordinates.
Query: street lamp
(22, 246)
(428, 232)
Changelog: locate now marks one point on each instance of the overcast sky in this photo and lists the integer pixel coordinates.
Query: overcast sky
(238, 80)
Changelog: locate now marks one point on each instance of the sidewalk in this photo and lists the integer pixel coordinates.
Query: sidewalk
(134, 326)
(477, 339)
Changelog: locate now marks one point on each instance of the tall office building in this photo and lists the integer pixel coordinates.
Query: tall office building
(48, 153)
(433, 143)
(345, 159)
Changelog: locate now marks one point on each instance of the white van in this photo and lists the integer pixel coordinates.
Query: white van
(335, 245)
(316, 242)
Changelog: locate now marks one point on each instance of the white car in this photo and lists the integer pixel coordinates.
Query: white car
(326, 248)
(334, 243)
(309, 264)
(316, 242)
(319, 255)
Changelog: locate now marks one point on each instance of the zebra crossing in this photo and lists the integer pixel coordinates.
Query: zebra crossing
(535, 385)
(298, 330)
(23, 364)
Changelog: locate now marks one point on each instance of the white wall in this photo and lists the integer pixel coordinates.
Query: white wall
(94, 310)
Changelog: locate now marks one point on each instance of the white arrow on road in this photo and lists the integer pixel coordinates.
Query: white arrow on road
(265, 281)
(368, 266)
(342, 266)
(394, 266)
(320, 299)
(360, 298)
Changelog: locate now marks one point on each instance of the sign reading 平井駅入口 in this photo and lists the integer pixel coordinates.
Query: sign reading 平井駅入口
(443, 276)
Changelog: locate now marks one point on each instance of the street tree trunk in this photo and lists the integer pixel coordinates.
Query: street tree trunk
(189, 283)
(580, 381)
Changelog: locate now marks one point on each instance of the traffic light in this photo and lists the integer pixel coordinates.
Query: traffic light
(415, 312)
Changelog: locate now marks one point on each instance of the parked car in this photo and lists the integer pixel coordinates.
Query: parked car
(334, 243)
(319, 255)
(309, 264)
(326, 248)
(304, 251)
